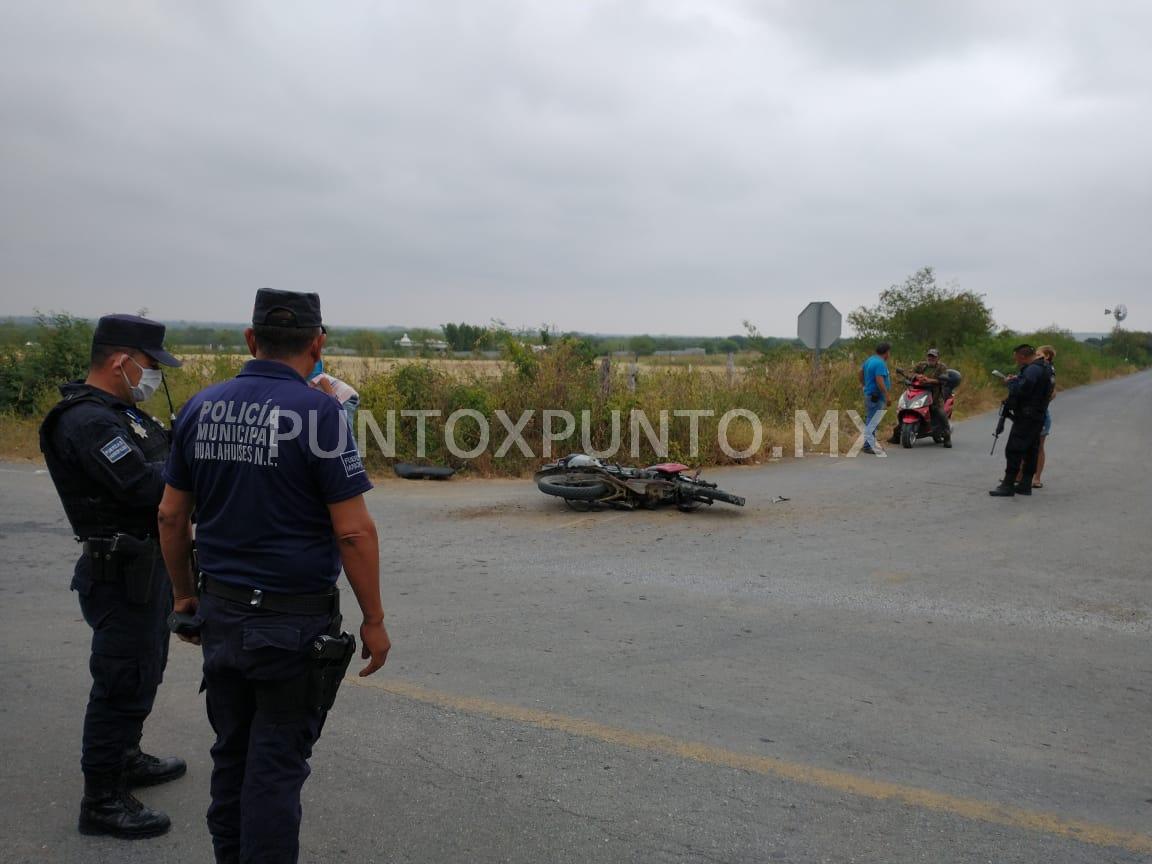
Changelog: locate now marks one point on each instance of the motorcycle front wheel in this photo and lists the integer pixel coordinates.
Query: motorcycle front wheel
(907, 435)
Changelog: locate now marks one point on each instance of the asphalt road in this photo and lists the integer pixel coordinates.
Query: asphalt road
(890, 666)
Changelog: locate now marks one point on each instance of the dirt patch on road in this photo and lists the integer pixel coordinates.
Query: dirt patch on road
(1113, 611)
(489, 511)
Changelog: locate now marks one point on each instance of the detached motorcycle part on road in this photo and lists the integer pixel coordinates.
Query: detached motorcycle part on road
(584, 482)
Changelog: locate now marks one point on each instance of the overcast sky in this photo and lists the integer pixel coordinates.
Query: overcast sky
(670, 166)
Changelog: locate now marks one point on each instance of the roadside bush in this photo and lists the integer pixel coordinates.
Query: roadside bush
(773, 385)
(918, 314)
(60, 351)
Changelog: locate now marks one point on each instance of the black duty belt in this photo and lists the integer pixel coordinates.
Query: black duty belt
(289, 604)
(104, 547)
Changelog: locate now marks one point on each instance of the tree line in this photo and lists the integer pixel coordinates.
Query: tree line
(460, 338)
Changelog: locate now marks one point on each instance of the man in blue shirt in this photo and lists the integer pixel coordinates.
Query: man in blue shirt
(875, 378)
(271, 471)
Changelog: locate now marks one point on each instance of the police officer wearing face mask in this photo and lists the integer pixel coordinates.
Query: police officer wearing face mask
(106, 457)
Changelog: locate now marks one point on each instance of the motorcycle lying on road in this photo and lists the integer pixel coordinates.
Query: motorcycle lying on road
(584, 482)
(914, 409)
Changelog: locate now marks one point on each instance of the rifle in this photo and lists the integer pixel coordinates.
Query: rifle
(1004, 415)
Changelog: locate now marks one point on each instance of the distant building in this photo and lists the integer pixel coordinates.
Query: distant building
(438, 345)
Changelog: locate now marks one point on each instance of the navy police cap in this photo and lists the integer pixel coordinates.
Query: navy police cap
(132, 331)
(302, 310)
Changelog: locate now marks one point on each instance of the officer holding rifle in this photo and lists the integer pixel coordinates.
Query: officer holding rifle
(1029, 392)
(270, 468)
(106, 456)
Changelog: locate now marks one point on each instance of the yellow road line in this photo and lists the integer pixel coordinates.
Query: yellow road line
(1008, 816)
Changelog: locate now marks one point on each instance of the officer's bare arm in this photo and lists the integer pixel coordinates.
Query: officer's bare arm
(175, 518)
(360, 554)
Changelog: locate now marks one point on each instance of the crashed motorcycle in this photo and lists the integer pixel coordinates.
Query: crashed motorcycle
(584, 482)
(914, 409)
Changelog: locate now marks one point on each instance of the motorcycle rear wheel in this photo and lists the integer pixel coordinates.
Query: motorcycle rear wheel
(572, 487)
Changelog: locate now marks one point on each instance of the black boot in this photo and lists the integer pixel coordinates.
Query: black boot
(1006, 489)
(1024, 485)
(947, 442)
(140, 769)
(108, 808)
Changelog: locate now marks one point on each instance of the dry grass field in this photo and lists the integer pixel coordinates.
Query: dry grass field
(356, 370)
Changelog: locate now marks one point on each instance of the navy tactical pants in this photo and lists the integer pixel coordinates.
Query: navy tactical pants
(129, 653)
(1023, 448)
(260, 758)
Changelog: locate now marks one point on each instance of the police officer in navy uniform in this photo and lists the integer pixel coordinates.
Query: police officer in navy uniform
(1029, 392)
(106, 458)
(270, 468)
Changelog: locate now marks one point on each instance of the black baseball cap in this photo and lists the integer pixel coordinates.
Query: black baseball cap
(132, 331)
(303, 310)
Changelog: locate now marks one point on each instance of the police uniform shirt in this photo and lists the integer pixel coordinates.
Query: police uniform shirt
(263, 455)
(106, 459)
(1032, 388)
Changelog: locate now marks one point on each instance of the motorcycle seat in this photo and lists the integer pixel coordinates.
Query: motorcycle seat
(669, 468)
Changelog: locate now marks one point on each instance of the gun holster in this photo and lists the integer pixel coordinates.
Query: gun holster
(330, 657)
(315, 689)
(124, 559)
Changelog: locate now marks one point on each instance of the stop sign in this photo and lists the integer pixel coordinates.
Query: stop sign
(818, 325)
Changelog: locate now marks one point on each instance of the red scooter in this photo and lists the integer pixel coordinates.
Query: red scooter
(914, 410)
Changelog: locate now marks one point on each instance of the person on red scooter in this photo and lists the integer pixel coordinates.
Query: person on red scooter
(932, 372)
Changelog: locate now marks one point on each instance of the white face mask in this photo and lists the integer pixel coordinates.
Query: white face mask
(150, 380)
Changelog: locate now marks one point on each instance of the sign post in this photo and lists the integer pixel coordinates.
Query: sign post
(818, 326)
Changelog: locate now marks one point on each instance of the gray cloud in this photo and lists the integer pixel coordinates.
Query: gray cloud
(611, 166)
